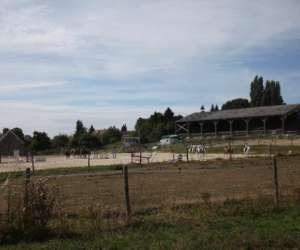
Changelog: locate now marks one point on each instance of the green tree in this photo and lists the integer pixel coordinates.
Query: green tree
(28, 141)
(276, 97)
(19, 133)
(111, 135)
(169, 114)
(153, 128)
(143, 128)
(61, 141)
(40, 141)
(257, 91)
(267, 96)
(90, 141)
(80, 129)
(91, 129)
(236, 104)
(124, 128)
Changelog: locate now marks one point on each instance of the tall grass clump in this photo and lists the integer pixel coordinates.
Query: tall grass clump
(29, 214)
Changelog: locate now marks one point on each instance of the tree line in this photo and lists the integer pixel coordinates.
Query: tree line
(158, 124)
(262, 93)
(81, 138)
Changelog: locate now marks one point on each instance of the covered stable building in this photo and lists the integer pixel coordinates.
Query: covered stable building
(10, 144)
(258, 120)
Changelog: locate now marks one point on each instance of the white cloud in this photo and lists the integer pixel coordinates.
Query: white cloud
(4, 89)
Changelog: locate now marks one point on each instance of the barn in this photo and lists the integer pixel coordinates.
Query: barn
(277, 119)
(10, 143)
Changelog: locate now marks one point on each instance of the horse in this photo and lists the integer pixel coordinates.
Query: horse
(228, 150)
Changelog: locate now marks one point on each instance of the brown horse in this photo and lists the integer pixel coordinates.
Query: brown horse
(228, 151)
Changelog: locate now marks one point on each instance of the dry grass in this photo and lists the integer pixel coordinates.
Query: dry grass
(160, 185)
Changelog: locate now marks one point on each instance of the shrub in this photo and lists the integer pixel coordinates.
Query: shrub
(29, 218)
(38, 208)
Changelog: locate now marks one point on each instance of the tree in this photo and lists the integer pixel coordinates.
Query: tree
(19, 133)
(202, 108)
(169, 114)
(272, 94)
(143, 129)
(212, 108)
(5, 130)
(90, 141)
(217, 108)
(80, 129)
(61, 141)
(157, 117)
(124, 128)
(111, 135)
(257, 91)
(267, 96)
(153, 128)
(236, 104)
(91, 130)
(28, 141)
(40, 141)
(276, 97)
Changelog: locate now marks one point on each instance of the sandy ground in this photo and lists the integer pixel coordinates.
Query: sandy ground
(124, 158)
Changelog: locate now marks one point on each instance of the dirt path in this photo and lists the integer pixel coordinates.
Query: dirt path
(61, 161)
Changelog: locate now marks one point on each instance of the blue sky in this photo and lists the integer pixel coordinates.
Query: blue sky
(109, 62)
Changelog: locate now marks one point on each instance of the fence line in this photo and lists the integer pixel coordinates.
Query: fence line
(142, 188)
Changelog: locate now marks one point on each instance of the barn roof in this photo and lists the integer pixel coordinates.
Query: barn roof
(10, 132)
(244, 113)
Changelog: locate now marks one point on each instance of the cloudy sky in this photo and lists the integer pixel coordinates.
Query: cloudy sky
(107, 62)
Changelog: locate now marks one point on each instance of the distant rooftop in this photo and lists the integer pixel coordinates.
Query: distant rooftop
(243, 113)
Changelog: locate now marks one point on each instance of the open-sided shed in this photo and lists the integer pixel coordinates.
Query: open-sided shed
(274, 119)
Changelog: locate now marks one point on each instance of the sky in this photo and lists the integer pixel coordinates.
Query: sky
(108, 62)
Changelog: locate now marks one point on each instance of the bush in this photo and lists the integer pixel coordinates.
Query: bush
(38, 208)
(30, 217)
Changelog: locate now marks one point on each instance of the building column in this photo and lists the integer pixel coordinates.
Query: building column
(247, 126)
(201, 127)
(216, 127)
(283, 119)
(230, 126)
(265, 125)
(189, 128)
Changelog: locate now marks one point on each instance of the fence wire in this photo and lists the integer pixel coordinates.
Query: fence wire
(161, 185)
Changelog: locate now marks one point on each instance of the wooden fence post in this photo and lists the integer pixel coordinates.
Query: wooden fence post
(187, 154)
(32, 162)
(126, 190)
(89, 162)
(27, 175)
(8, 204)
(275, 176)
(27, 181)
(27, 156)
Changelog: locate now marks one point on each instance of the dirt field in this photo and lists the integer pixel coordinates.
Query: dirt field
(169, 184)
(123, 158)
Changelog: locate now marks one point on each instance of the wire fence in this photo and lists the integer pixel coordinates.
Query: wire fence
(160, 185)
